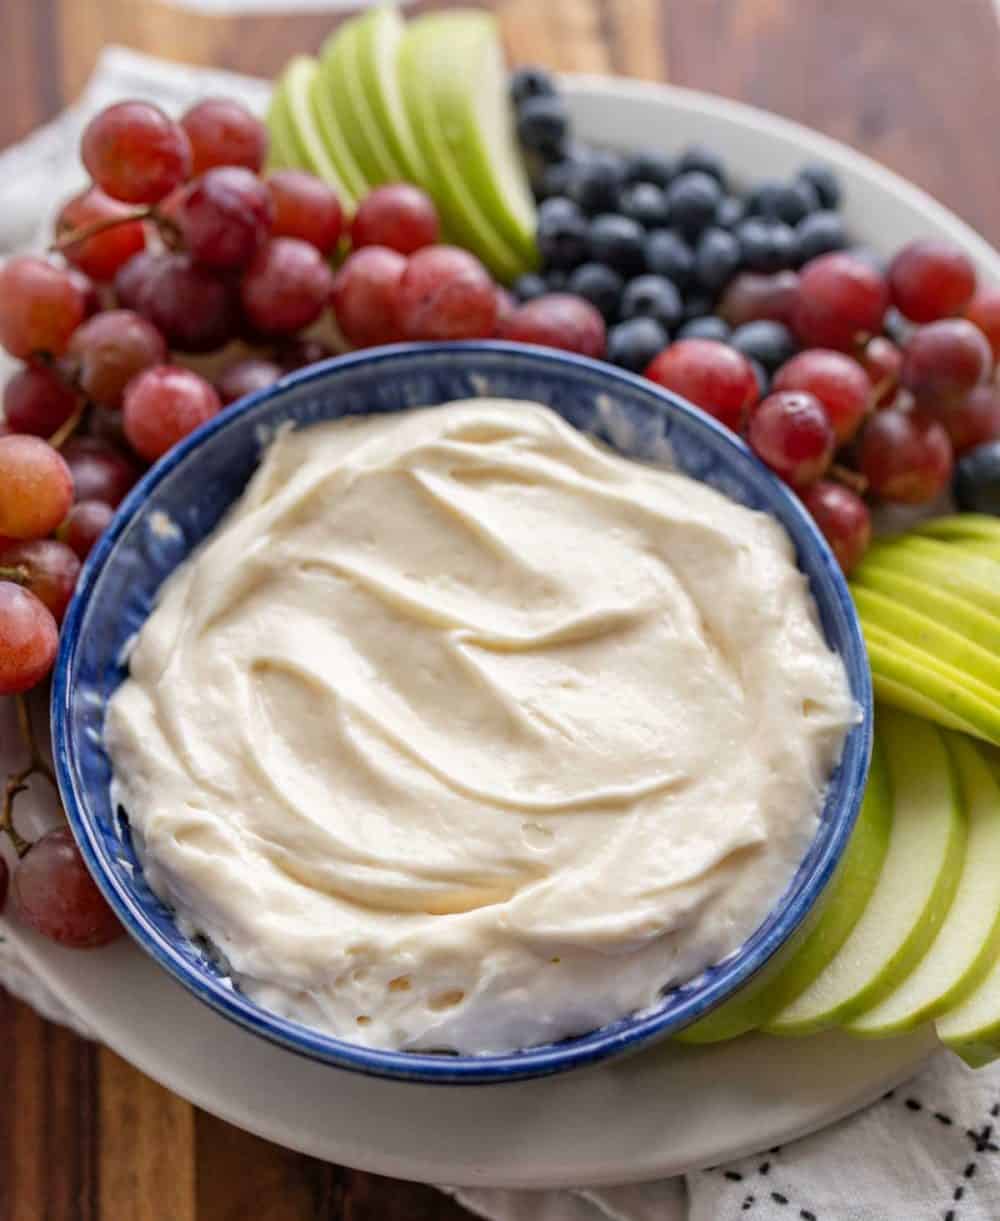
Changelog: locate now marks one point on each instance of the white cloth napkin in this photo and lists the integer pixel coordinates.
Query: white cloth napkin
(926, 1152)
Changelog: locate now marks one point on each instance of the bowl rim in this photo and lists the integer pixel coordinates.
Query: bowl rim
(629, 1033)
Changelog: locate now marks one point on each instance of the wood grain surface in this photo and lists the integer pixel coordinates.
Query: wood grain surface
(83, 1136)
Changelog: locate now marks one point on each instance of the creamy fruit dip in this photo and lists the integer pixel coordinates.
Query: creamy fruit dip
(462, 732)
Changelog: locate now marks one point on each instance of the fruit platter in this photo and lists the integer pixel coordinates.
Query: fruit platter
(404, 187)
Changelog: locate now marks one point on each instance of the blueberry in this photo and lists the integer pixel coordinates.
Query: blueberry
(977, 480)
(696, 305)
(530, 83)
(668, 254)
(784, 247)
(694, 200)
(766, 245)
(769, 343)
(556, 179)
(556, 280)
(597, 182)
(788, 201)
(562, 233)
(617, 241)
(701, 159)
(759, 199)
(819, 233)
(650, 166)
(824, 182)
(731, 212)
(634, 343)
(709, 326)
(653, 297)
(716, 259)
(528, 287)
(543, 125)
(896, 326)
(646, 203)
(600, 285)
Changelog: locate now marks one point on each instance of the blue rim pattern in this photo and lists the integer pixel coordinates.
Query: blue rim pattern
(135, 554)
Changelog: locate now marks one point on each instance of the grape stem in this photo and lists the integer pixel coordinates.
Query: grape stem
(850, 479)
(74, 236)
(16, 781)
(63, 434)
(16, 573)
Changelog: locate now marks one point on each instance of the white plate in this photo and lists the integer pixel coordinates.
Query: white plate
(657, 1113)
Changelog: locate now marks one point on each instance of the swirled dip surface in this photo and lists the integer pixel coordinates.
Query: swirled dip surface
(462, 732)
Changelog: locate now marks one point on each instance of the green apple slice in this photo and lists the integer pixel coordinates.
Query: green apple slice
(341, 78)
(914, 890)
(939, 563)
(283, 151)
(296, 84)
(983, 548)
(379, 36)
(418, 58)
(922, 632)
(968, 941)
(477, 122)
(962, 526)
(967, 704)
(795, 967)
(942, 606)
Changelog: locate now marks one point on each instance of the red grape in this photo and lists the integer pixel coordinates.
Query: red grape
(132, 278)
(883, 362)
(247, 377)
(100, 471)
(286, 287)
(54, 894)
(396, 215)
(838, 381)
(29, 639)
(36, 487)
(364, 296)
(984, 312)
(223, 132)
(557, 320)
(87, 290)
(194, 307)
(36, 401)
(790, 432)
(751, 297)
(709, 374)
(307, 208)
(930, 279)
(50, 571)
(906, 456)
(225, 217)
(164, 404)
(110, 349)
(40, 306)
(944, 360)
(298, 352)
(101, 255)
(446, 293)
(843, 519)
(506, 306)
(105, 425)
(840, 296)
(135, 153)
(973, 420)
(84, 525)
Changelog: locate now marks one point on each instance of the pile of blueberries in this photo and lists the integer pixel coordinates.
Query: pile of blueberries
(653, 240)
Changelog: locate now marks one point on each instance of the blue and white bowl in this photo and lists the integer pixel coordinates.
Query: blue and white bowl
(182, 499)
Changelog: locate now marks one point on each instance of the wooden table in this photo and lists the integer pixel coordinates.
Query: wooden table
(83, 1136)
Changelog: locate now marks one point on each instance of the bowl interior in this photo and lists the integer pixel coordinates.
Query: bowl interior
(182, 499)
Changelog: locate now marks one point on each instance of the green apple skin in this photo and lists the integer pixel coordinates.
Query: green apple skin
(338, 71)
(297, 85)
(967, 944)
(962, 526)
(910, 679)
(938, 563)
(824, 931)
(282, 151)
(914, 891)
(979, 664)
(470, 93)
(459, 210)
(380, 34)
